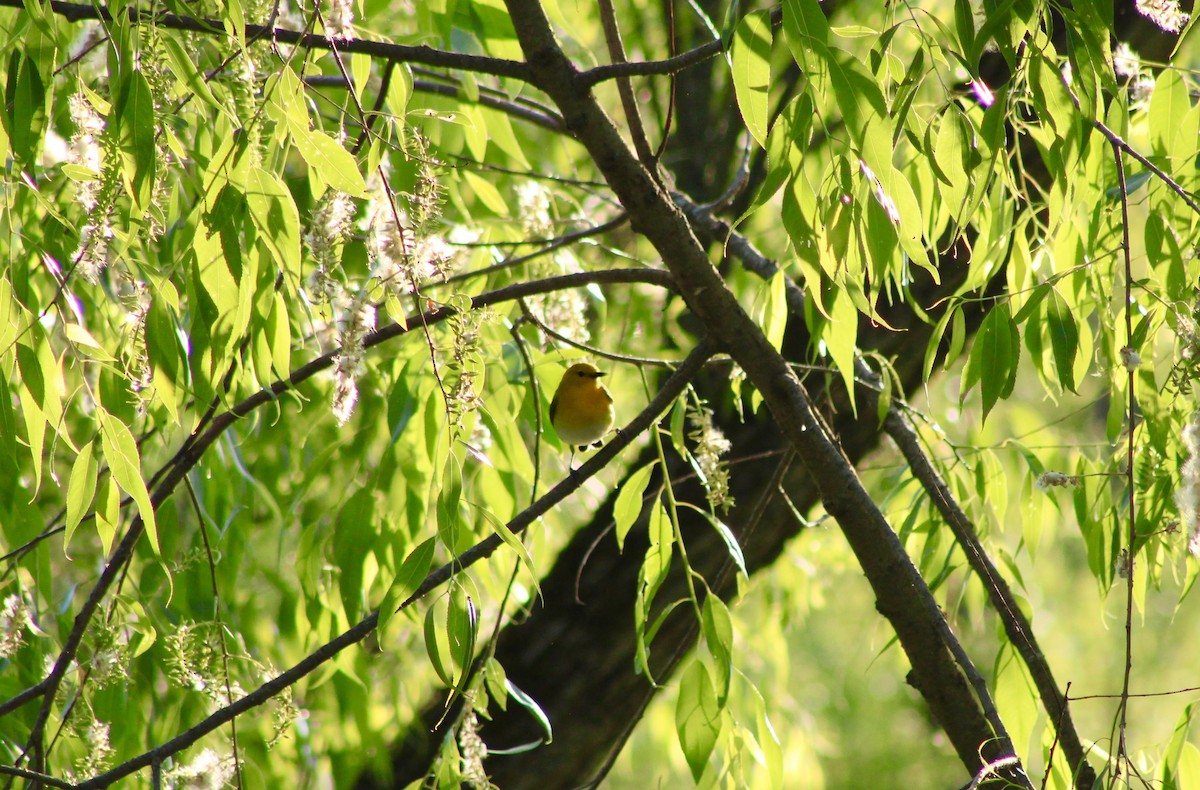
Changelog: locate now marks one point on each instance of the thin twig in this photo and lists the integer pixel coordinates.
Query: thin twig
(633, 116)
(651, 67)
(1129, 564)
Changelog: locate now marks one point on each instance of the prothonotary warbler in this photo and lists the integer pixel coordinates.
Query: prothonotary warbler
(582, 409)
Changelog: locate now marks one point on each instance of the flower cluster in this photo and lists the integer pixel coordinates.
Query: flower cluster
(332, 219)
(472, 751)
(1048, 480)
(465, 365)
(207, 771)
(85, 147)
(353, 327)
(14, 620)
(1187, 496)
(711, 444)
(339, 22)
(1165, 13)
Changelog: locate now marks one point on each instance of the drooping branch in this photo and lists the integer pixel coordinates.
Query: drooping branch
(1016, 626)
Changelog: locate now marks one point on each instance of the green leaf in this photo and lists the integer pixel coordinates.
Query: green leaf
(1064, 338)
(1168, 105)
(658, 557)
(841, 338)
(134, 124)
(751, 63)
(274, 213)
(718, 636)
(994, 358)
(530, 704)
(964, 24)
(434, 649)
(731, 542)
(415, 568)
(697, 717)
(333, 163)
(1050, 96)
(80, 490)
(775, 310)
(951, 154)
(24, 111)
(804, 22)
(629, 501)
(123, 461)
(353, 534)
(486, 192)
(462, 627)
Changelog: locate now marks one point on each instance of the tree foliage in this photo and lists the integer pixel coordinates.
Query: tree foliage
(287, 293)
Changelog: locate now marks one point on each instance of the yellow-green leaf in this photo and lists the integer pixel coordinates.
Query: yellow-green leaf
(125, 464)
(751, 63)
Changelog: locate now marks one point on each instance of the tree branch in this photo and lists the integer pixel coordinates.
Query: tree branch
(398, 53)
(649, 68)
(901, 593)
(671, 389)
(194, 449)
(899, 427)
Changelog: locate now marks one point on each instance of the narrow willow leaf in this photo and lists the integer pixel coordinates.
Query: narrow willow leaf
(24, 110)
(274, 213)
(994, 357)
(331, 161)
(775, 310)
(1168, 105)
(1064, 338)
(486, 192)
(751, 62)
(80, 490)
(731, 542)
(412, 572)
(697, 717)
(136, 130)
(1051, 97)
(125, 464)
(462, 627)
(718, 636)
(629, 501)
(841, 338)
(530, 704)
(353, 534)
(434, 649)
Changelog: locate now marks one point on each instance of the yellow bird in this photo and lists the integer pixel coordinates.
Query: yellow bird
(582, 409)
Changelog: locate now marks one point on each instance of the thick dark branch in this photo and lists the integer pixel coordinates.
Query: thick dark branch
(398, 53)
(901, 594)
(1016, 625)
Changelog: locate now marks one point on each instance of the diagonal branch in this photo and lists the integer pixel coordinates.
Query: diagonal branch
(901, 593)
(671, 389)
(187, 458)
(900, 428)
(1016, 625)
